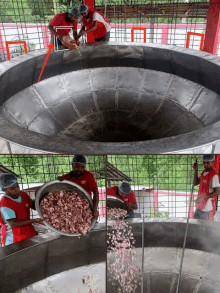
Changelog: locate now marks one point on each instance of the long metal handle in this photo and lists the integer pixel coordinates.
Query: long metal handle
(142, 279)
(184, 243)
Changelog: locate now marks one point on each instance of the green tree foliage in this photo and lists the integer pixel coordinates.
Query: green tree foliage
(43, 168)
(42, 11)
(33, 11)
(164, 172)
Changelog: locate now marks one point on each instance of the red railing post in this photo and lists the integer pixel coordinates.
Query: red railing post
(17, 42)
(90, 4)
(141, 29)
(212, 28)
(195, 34)
(164, 36)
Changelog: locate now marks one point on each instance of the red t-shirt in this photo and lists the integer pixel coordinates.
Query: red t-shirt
(130, 198)
(87, 181)
(103, 25)
(59, 20)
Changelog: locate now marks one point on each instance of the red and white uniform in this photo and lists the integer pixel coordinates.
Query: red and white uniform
(22, 212)
(208, 181)
(87, 181)
(59, 20)
(130, 198)
(103, 25)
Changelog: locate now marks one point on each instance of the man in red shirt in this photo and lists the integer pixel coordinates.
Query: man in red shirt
(83, 178)
(67, 19)
(94, 21)
(208, 188)
(15, 208)
(124, 192)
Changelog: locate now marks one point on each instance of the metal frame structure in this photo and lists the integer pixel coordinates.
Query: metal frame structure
(166, 179)
(161, 244)
(165, 22)
(35, 170)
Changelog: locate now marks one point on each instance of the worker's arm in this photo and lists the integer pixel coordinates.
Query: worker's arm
(16, 224)
(75, 34)
(196, 178)
(94, 27)
(132, 206)
(215, 193)
(82, 30)
(50, 27)
(95, 202)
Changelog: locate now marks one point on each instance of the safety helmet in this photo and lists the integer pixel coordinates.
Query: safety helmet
(208, 158)
(75, 12)
(7, 180)
(124, 187)
(79, 159)
(83, 8)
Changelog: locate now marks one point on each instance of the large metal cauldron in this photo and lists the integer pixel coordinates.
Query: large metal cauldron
(61, 185)
(162, 251)
(38, 258)
(134, 99)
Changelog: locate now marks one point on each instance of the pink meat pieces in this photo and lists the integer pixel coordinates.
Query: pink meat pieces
(67, 212)
(121, 241)
(116, 213)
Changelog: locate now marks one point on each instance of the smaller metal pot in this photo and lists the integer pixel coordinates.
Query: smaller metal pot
(61, 185)
(115, 202)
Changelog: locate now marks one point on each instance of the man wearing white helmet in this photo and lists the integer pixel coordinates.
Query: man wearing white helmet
(208, 187)
(85, 179)
(95, 22)
(15, 208)
(68, 19)
(124, 192)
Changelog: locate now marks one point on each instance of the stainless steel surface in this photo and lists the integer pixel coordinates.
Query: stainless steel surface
(115, 98)
(71, 281)
(115, 202)
(35, 259)
(61, 185)
(142, 269)
(162, 254)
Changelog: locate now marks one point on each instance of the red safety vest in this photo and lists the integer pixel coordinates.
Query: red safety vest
(87, 181)
(204, 187)
(101, 29)
(22, 211)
